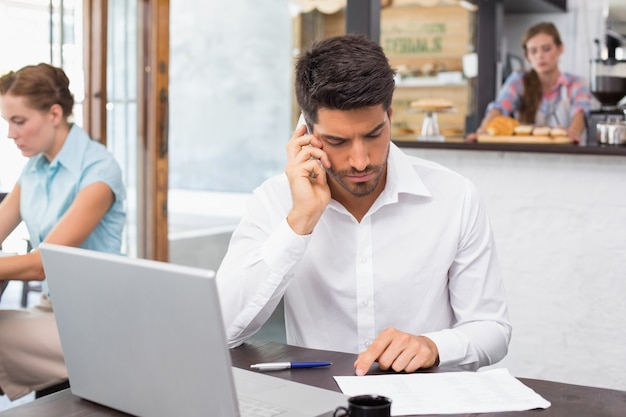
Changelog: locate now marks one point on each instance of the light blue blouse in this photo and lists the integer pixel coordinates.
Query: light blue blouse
(48, 188)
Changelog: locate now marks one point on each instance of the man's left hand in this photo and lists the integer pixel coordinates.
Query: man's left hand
(399, 351)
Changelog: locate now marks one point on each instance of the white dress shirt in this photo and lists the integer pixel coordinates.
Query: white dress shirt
(422, 260)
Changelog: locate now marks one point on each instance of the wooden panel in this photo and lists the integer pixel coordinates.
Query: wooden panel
(314, 25)
(153, 167)
(95, 63)
(334, 24)
(406, 123)
(421, 39)
(418, 36)
(310, 27)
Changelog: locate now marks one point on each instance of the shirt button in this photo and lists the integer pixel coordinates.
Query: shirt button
(364, 259)
(365, 303)
(367, 343)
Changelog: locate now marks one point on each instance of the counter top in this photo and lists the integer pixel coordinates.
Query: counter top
(517, 147)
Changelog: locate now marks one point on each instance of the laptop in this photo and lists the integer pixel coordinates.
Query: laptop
(147, 338)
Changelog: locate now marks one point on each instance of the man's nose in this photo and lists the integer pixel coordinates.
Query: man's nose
(359, 155)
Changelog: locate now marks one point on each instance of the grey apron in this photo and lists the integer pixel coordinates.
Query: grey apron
(558, 114)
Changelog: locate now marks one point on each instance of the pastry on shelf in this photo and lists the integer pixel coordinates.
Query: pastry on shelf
(432, 104)
(502, 126)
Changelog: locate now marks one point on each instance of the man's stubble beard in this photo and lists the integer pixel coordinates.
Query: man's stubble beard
(360, 189)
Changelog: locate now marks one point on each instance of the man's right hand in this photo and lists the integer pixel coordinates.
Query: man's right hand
(306, 171)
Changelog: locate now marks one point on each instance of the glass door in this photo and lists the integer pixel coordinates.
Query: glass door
(121, 104)
(127, 60)
(230, 116)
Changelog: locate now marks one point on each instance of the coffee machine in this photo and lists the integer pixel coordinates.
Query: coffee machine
(608, 85)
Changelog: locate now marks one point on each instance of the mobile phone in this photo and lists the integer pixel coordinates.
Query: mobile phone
(302, 121)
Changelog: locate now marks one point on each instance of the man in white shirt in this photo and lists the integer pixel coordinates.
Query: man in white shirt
(375, 252)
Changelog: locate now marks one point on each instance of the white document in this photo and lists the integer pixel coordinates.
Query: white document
(447, 393)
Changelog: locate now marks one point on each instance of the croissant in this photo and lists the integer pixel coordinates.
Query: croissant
(502, 126)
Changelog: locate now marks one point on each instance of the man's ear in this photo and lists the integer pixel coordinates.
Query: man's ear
(390, 112)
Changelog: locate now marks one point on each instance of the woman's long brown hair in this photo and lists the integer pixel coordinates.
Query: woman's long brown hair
(531, 96)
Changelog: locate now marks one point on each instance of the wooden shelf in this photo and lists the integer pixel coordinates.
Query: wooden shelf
(535, 6)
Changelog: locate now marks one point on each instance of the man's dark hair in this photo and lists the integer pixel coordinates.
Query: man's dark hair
(343, 73)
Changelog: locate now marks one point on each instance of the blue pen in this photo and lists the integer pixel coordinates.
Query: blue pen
(279, 366)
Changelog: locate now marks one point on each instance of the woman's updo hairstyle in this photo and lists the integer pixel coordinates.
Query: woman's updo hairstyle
(42, 85)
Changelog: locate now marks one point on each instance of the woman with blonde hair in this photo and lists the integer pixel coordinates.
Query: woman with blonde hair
(544, 95)
(70, 192)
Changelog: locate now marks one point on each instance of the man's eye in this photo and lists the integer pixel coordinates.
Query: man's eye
(335, 142)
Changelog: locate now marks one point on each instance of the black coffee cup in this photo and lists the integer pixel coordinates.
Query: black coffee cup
(365, 406)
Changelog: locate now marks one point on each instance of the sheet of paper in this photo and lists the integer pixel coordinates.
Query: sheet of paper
(447, 393)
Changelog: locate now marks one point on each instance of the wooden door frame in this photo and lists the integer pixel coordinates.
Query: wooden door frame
(95, 63)
(152, 111)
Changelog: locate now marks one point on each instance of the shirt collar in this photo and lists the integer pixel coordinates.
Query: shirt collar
(70, 154)
(402, 177)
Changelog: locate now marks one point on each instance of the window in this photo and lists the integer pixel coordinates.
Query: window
(230, 109)
(34, 31)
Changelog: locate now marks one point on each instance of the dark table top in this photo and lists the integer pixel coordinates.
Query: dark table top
(567, 400)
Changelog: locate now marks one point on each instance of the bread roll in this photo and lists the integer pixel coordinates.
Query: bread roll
(523, 130)
(541, 130)
(558, 132)
(502, 126)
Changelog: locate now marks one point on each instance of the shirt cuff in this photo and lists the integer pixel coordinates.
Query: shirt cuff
(452, 346)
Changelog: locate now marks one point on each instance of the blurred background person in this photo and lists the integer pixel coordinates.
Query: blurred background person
(70, 192)
(544, 95)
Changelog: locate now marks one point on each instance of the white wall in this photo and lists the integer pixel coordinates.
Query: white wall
(560, 227)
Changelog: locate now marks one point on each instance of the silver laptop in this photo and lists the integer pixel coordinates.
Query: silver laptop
(147, 338)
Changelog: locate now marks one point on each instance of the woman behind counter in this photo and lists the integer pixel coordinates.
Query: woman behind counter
(70, 192)
(543, 96)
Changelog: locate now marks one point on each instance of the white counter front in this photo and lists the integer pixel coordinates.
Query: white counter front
(560, 226)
